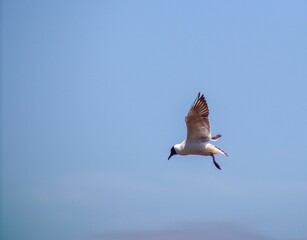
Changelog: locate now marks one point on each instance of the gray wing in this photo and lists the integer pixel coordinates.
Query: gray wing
(197, 120)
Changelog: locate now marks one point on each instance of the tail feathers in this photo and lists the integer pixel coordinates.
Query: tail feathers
(221, 151)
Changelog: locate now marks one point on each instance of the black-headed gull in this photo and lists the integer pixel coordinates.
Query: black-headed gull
(198, 133)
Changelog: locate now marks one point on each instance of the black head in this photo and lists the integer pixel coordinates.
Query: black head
(173, 152)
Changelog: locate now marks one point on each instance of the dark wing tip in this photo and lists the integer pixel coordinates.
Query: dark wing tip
(199, 96)
(201, 103)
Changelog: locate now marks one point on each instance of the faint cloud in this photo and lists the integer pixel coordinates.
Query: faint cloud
(212, 231)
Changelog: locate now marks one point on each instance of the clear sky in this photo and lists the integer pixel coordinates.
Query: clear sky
(94, 95)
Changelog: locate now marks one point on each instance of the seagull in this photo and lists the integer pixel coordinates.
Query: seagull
(198, 133)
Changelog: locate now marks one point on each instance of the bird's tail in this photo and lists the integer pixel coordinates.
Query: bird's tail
(220, 151)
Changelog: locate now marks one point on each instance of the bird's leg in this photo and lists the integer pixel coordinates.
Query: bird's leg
(216, 137)
(215, 163)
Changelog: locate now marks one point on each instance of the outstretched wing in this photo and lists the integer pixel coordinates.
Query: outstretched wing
(197, 120)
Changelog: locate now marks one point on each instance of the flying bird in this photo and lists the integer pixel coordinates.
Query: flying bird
(199, 136)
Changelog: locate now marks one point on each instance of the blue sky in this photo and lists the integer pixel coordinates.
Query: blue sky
(94, 94)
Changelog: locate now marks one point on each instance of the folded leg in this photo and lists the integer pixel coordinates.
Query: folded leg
(216, 137)
(215, 163)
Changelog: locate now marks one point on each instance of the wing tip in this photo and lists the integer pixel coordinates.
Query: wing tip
(200, 103)
(200, 97)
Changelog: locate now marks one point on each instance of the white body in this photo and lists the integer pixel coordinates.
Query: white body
(197, 148)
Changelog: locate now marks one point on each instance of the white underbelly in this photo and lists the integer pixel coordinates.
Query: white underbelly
(195, 148)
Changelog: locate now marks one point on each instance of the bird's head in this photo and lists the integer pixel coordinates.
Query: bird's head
(173, 152)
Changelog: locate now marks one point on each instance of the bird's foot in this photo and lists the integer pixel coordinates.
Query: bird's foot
(216, 137)
(215, 163)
